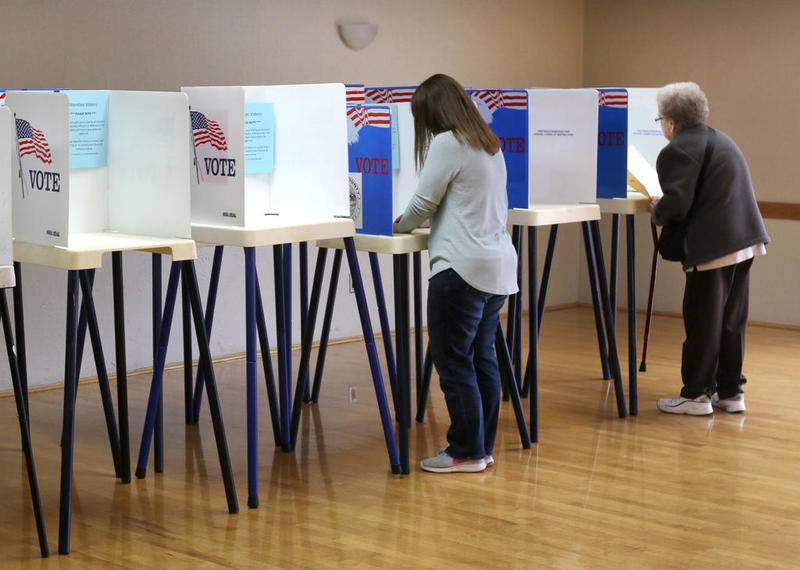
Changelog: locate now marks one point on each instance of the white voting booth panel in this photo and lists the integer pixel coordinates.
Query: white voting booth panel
(404, 168)
(645, 136)
(563, 127)
(268, 150)
(6, 257)
(99, 161)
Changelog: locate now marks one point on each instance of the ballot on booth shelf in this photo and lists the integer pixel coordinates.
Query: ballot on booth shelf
(264, 151)
(99, 161)
(6, 153)
(404, 167)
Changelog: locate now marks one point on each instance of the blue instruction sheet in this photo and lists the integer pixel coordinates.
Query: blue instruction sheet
(259, 138)
(88, 132)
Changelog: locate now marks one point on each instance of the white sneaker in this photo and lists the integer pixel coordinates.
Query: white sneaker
(489, 459)
(444, 463)
(731, 405)
(700, 406)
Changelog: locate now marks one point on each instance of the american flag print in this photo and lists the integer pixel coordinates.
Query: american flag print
(206, 131)
(355, 94)
(618, 99)
(369, 116)
(381, 95)
(32, 141)
(498, 99)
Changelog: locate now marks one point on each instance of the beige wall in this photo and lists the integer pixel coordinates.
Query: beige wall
(163, 44)
(147, 44)
(746, 56)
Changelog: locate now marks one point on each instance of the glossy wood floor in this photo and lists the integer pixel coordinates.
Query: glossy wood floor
(653, 491)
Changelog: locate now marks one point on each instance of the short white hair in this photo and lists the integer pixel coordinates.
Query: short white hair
(683, 103)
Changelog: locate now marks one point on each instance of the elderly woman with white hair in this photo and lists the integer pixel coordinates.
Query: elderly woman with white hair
(713, 226)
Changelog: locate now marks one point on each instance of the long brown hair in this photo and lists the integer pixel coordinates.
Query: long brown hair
(440, 104)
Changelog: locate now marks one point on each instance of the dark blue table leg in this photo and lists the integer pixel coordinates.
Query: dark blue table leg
(68, 424)
(632, 352)
(214, 405)
(402, 332)
(24, 425)
(593, 287)
(303, 247)
(386, 330)
(284, 388)
(211, 304)
(159, 435)
(326, 325)
(188, 369)
(19, 331)
(533, 335)
(613, 355)
(372, 354)
(287, 297)
(266, 364)
(427, 371)
(306, 343)
(102, 373)
(122, 367)
(614, 267)
(507, 378)
(516, 352)
(548, 266)
(158, 370)
(416, 259)
(251, 375)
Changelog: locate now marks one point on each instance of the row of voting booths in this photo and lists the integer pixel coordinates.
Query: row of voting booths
(560, 145)
(79, 166)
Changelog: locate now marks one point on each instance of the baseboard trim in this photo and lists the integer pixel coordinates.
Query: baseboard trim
(676, 315)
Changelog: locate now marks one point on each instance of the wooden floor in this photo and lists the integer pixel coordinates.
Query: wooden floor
(653, 491)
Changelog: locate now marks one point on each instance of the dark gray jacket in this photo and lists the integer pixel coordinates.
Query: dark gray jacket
(725, 217)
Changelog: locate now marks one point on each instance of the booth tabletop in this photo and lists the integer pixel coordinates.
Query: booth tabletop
(6, 276)
(276, 230)
(633, 204)
(86, 250)
(396, 244)
(553, 214)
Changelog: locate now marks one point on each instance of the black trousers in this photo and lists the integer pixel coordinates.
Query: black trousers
(715, 305)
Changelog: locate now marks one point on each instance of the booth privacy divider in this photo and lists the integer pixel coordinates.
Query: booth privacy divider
(268, 150)
(6, 254)
(98, 161)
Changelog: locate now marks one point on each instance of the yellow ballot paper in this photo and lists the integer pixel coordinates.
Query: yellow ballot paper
(642, 177)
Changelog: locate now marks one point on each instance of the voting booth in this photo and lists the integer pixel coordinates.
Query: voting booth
(6, 253)
(645, 138)
(404, 168)
(369, 152)
(99, 161)
(268, 150)
(506, 112)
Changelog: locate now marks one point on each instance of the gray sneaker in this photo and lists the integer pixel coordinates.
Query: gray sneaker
(731, 405)
(443, 463)
(489, 460)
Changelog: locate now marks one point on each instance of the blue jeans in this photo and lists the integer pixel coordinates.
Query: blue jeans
(462, 324)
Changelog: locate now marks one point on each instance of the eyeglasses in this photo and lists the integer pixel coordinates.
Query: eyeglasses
(658, 119)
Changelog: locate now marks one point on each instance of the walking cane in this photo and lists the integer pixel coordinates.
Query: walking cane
(649, 317)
